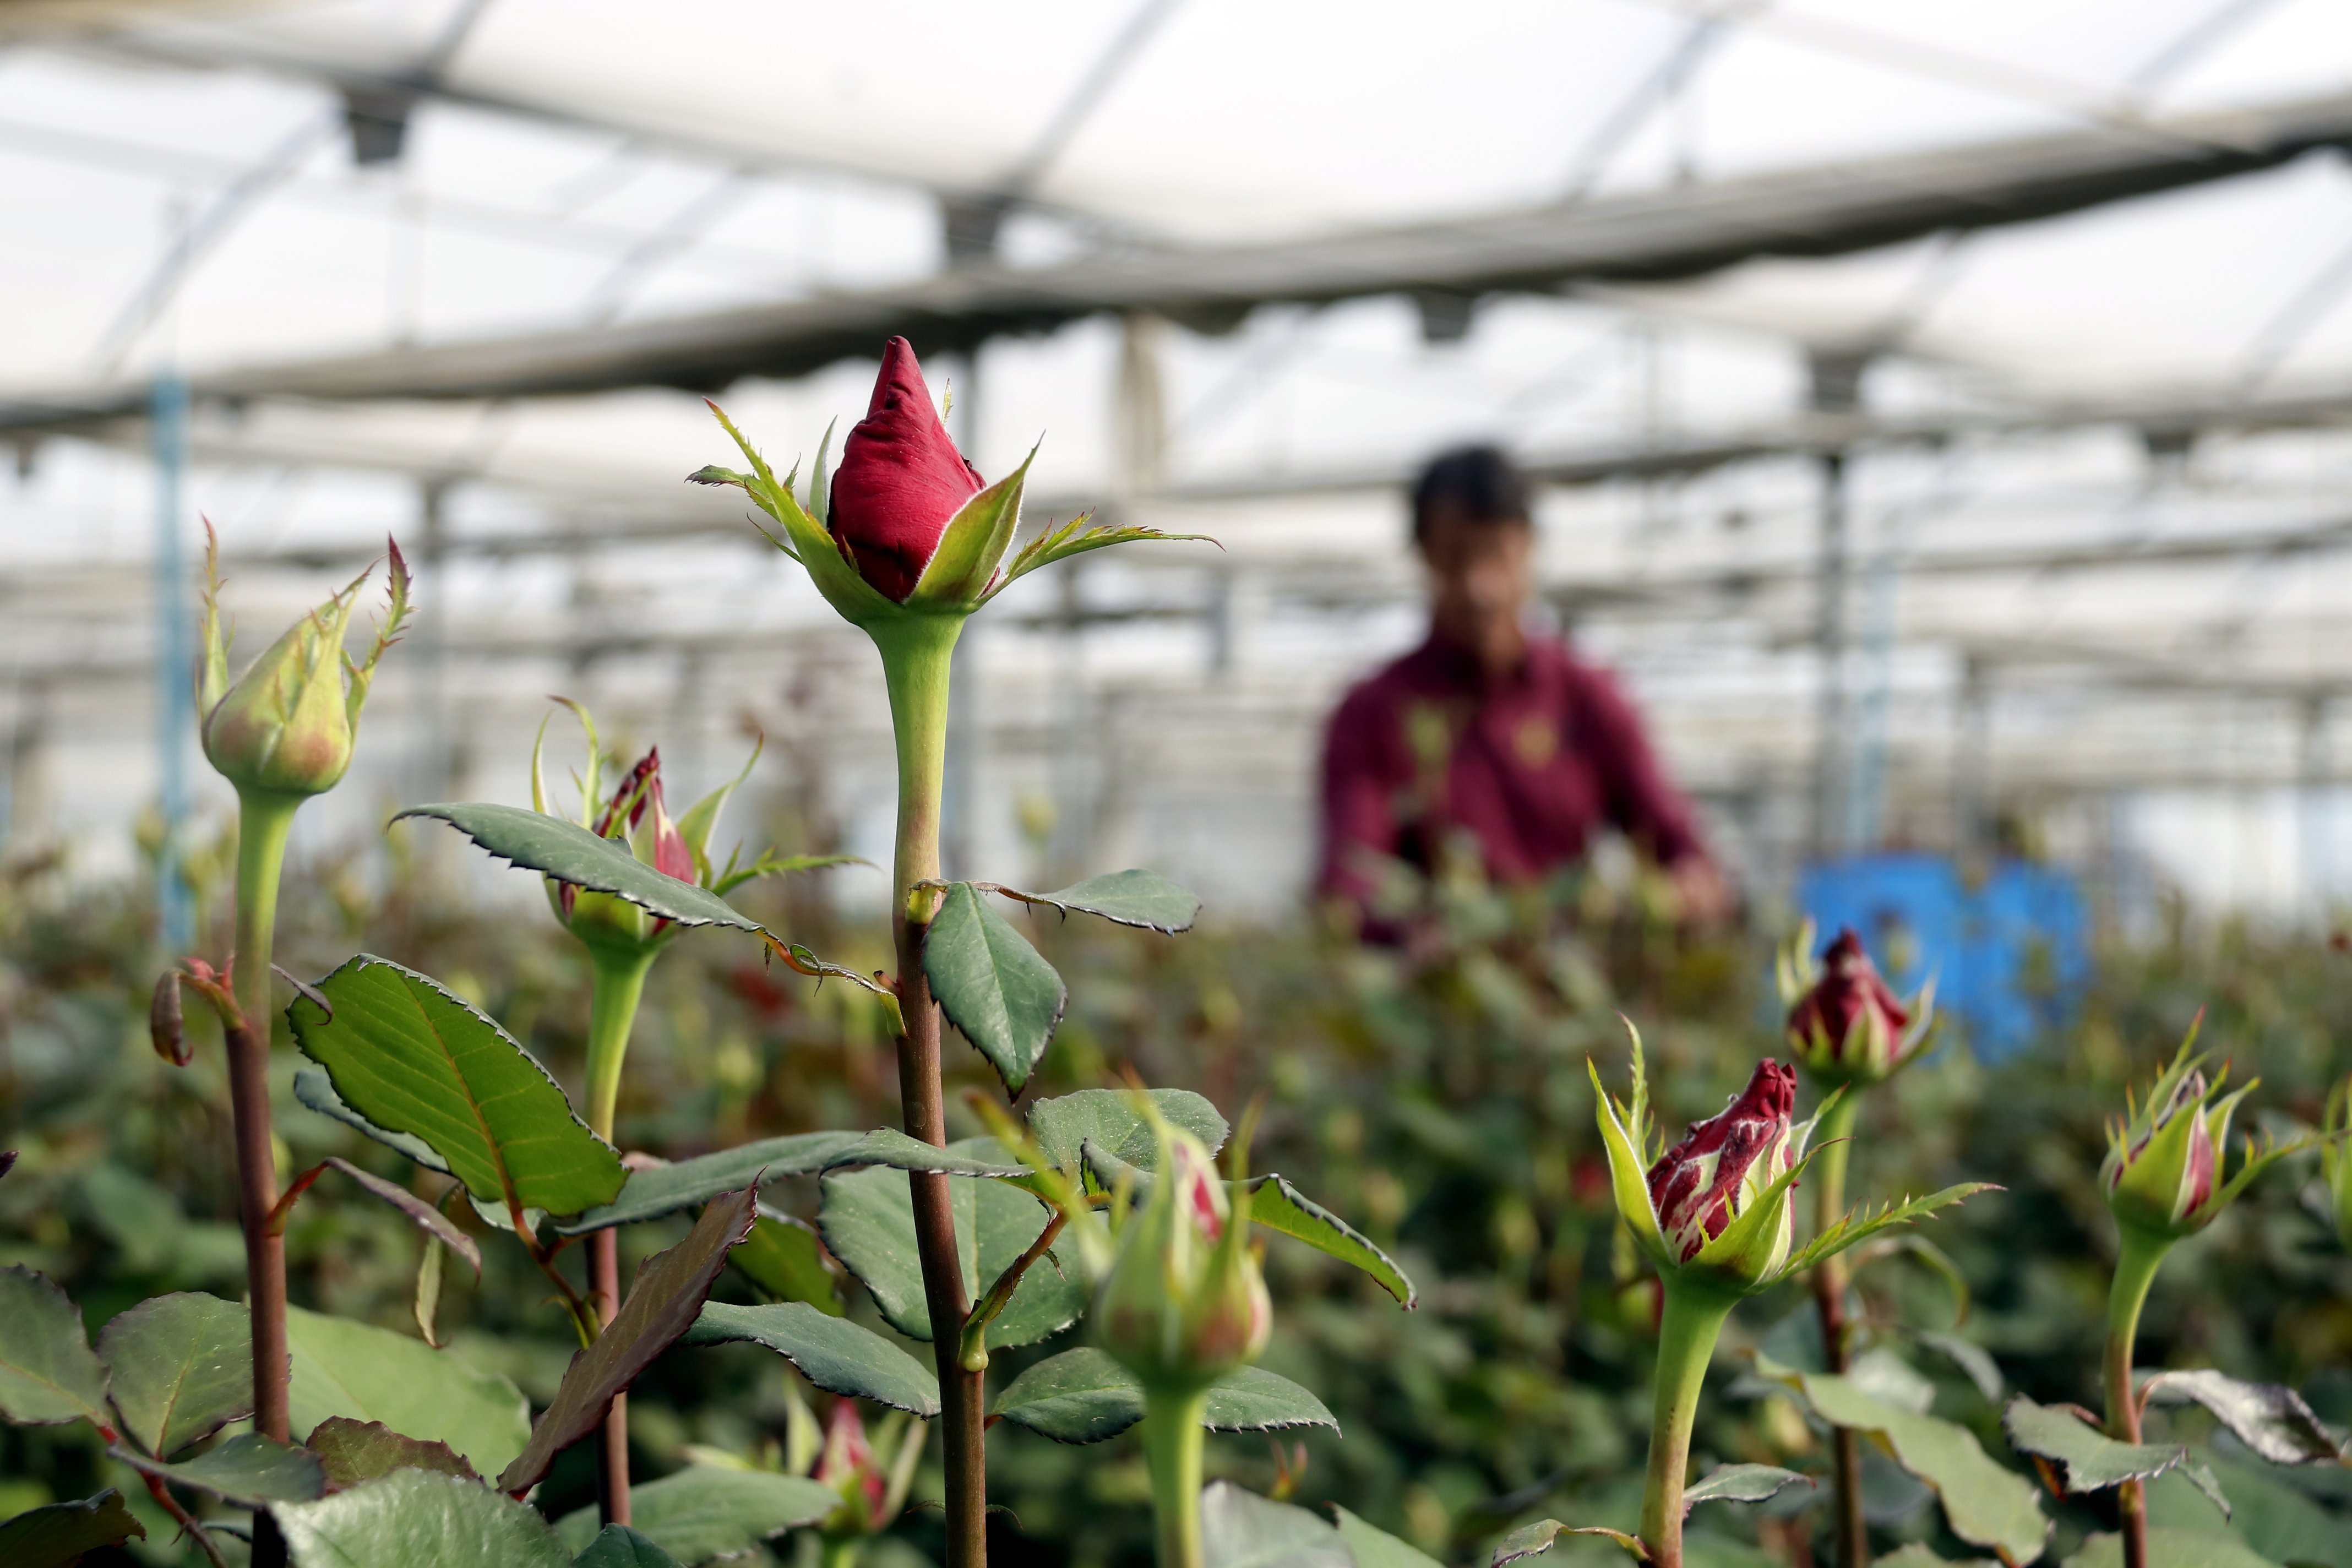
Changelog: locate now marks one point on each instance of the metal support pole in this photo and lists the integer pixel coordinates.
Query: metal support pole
(2316, 842)
(439, 750)
(175, 701)
(1973, 765)
(1829, 738)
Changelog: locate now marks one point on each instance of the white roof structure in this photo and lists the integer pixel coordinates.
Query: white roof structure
(1943, 407)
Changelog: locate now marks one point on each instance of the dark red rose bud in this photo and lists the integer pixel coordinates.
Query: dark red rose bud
(900, 480)
(1701, 1183)
(1850, 1024)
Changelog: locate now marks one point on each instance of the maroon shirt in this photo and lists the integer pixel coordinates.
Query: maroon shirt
(1531, 764)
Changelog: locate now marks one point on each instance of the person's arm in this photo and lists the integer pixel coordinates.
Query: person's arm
(1643, 802)
(1358, 818)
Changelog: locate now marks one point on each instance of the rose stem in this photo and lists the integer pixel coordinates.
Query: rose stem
(915, 661)
(1171, 1445)
(2136, 1269)
(264, 820)
(618, 984)
(1833, 1138)
(1694, 1317)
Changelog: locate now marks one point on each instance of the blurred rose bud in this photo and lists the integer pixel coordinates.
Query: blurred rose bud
(2162, 1172)
(286, 726)
(900, 481)
(1184, 1304)
(1849, 1026)
(1723, 1166)
(849, 1467)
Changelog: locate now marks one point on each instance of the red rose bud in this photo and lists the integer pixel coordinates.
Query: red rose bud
(1702, 1183)
(847, 1467)
(900, 480)
(1185, 1303)
(1850, 1027)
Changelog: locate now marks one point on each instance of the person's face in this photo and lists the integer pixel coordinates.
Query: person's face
(1482, 575)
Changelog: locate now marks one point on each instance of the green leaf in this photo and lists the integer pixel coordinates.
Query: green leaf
(1860, 1225)
(1242, 1530)
(661, 1190)
(888, 1146)
(248, 1470)
(991, 984)
(355, 1452)
(1078, 536)
(1742, 1483)
(2087, 1459)
(414, 1517)
(420, 1213)
(1109, 1119)
(784, 1257)
(805, 538)
(867, 1220)
(618, 1546)
(2268, 1418)
(555, 847)
(974, 541)
(1375, 1548)
(706, 1512)
(1985, 1503)
(182, 1368)
(1144, 899)
(315, 1090)
(1531, 1539)
(56, 1536)
(1279, 1206)
(412, 1057)
(367, 1373)
(1917, 1556)
(48, 1373)
(662, 1304)
(2171, 1549)
(834, 1353)
(1082, 1396)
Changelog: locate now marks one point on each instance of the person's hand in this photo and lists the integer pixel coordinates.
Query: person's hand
(1706, 895)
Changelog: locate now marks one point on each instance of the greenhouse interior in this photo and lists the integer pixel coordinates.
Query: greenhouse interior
(1247, 653)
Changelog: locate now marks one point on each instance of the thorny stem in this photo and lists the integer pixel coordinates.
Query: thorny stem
(2135, 1272)
(618, 986)
(1693, 1318)
(264, 821)
(975, 1348)
(1172, 1441)
(1834, 1139)
(915, 661)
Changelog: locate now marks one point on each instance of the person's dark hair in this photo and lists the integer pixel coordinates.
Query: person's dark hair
(1485, 485)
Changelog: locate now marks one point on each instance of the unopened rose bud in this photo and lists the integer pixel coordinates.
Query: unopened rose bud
(1850, 1027)
(2163, 1167)
(1185, 1303)
(900, 481)
(637, 812)
(286, 726)
(849, 1467)
(1723, 1166)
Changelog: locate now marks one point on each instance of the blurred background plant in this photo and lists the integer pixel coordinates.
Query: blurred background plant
(1440, 1099)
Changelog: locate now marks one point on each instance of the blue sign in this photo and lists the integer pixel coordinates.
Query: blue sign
(2010, 958)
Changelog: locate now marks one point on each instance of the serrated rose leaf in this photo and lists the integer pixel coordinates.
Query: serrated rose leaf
(1242, 1530)
(57, 1534)
(784, 1257)
(353, 1453)
(1373, 1546)
(248, 1470)
(180, 1368)
(836, 1354)
(1082, 1396)
(1110, 1119)
(371, 1375)
(48, 1373)
(705, 1511)
(993, 984)
(414, 1517)
(659, 1190)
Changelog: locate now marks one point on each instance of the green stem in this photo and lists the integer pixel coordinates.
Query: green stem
(1172, 1441)
(264, 821)
(840, 1550)
(1693, 1318)
(916, 654)
(1833, 1138)
(618, 984)
(2136, 1269)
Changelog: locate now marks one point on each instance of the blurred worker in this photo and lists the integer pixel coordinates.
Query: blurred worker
(1487, 735)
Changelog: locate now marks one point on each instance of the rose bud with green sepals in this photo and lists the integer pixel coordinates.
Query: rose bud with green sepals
(1724, 1165)
(848, 1465)
(286, 726)
(637, 814)
(901, 480)
(2163, 1164)
(1184, 1303)
(1848, 1025)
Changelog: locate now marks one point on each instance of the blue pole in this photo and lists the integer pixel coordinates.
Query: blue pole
(176, 702)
